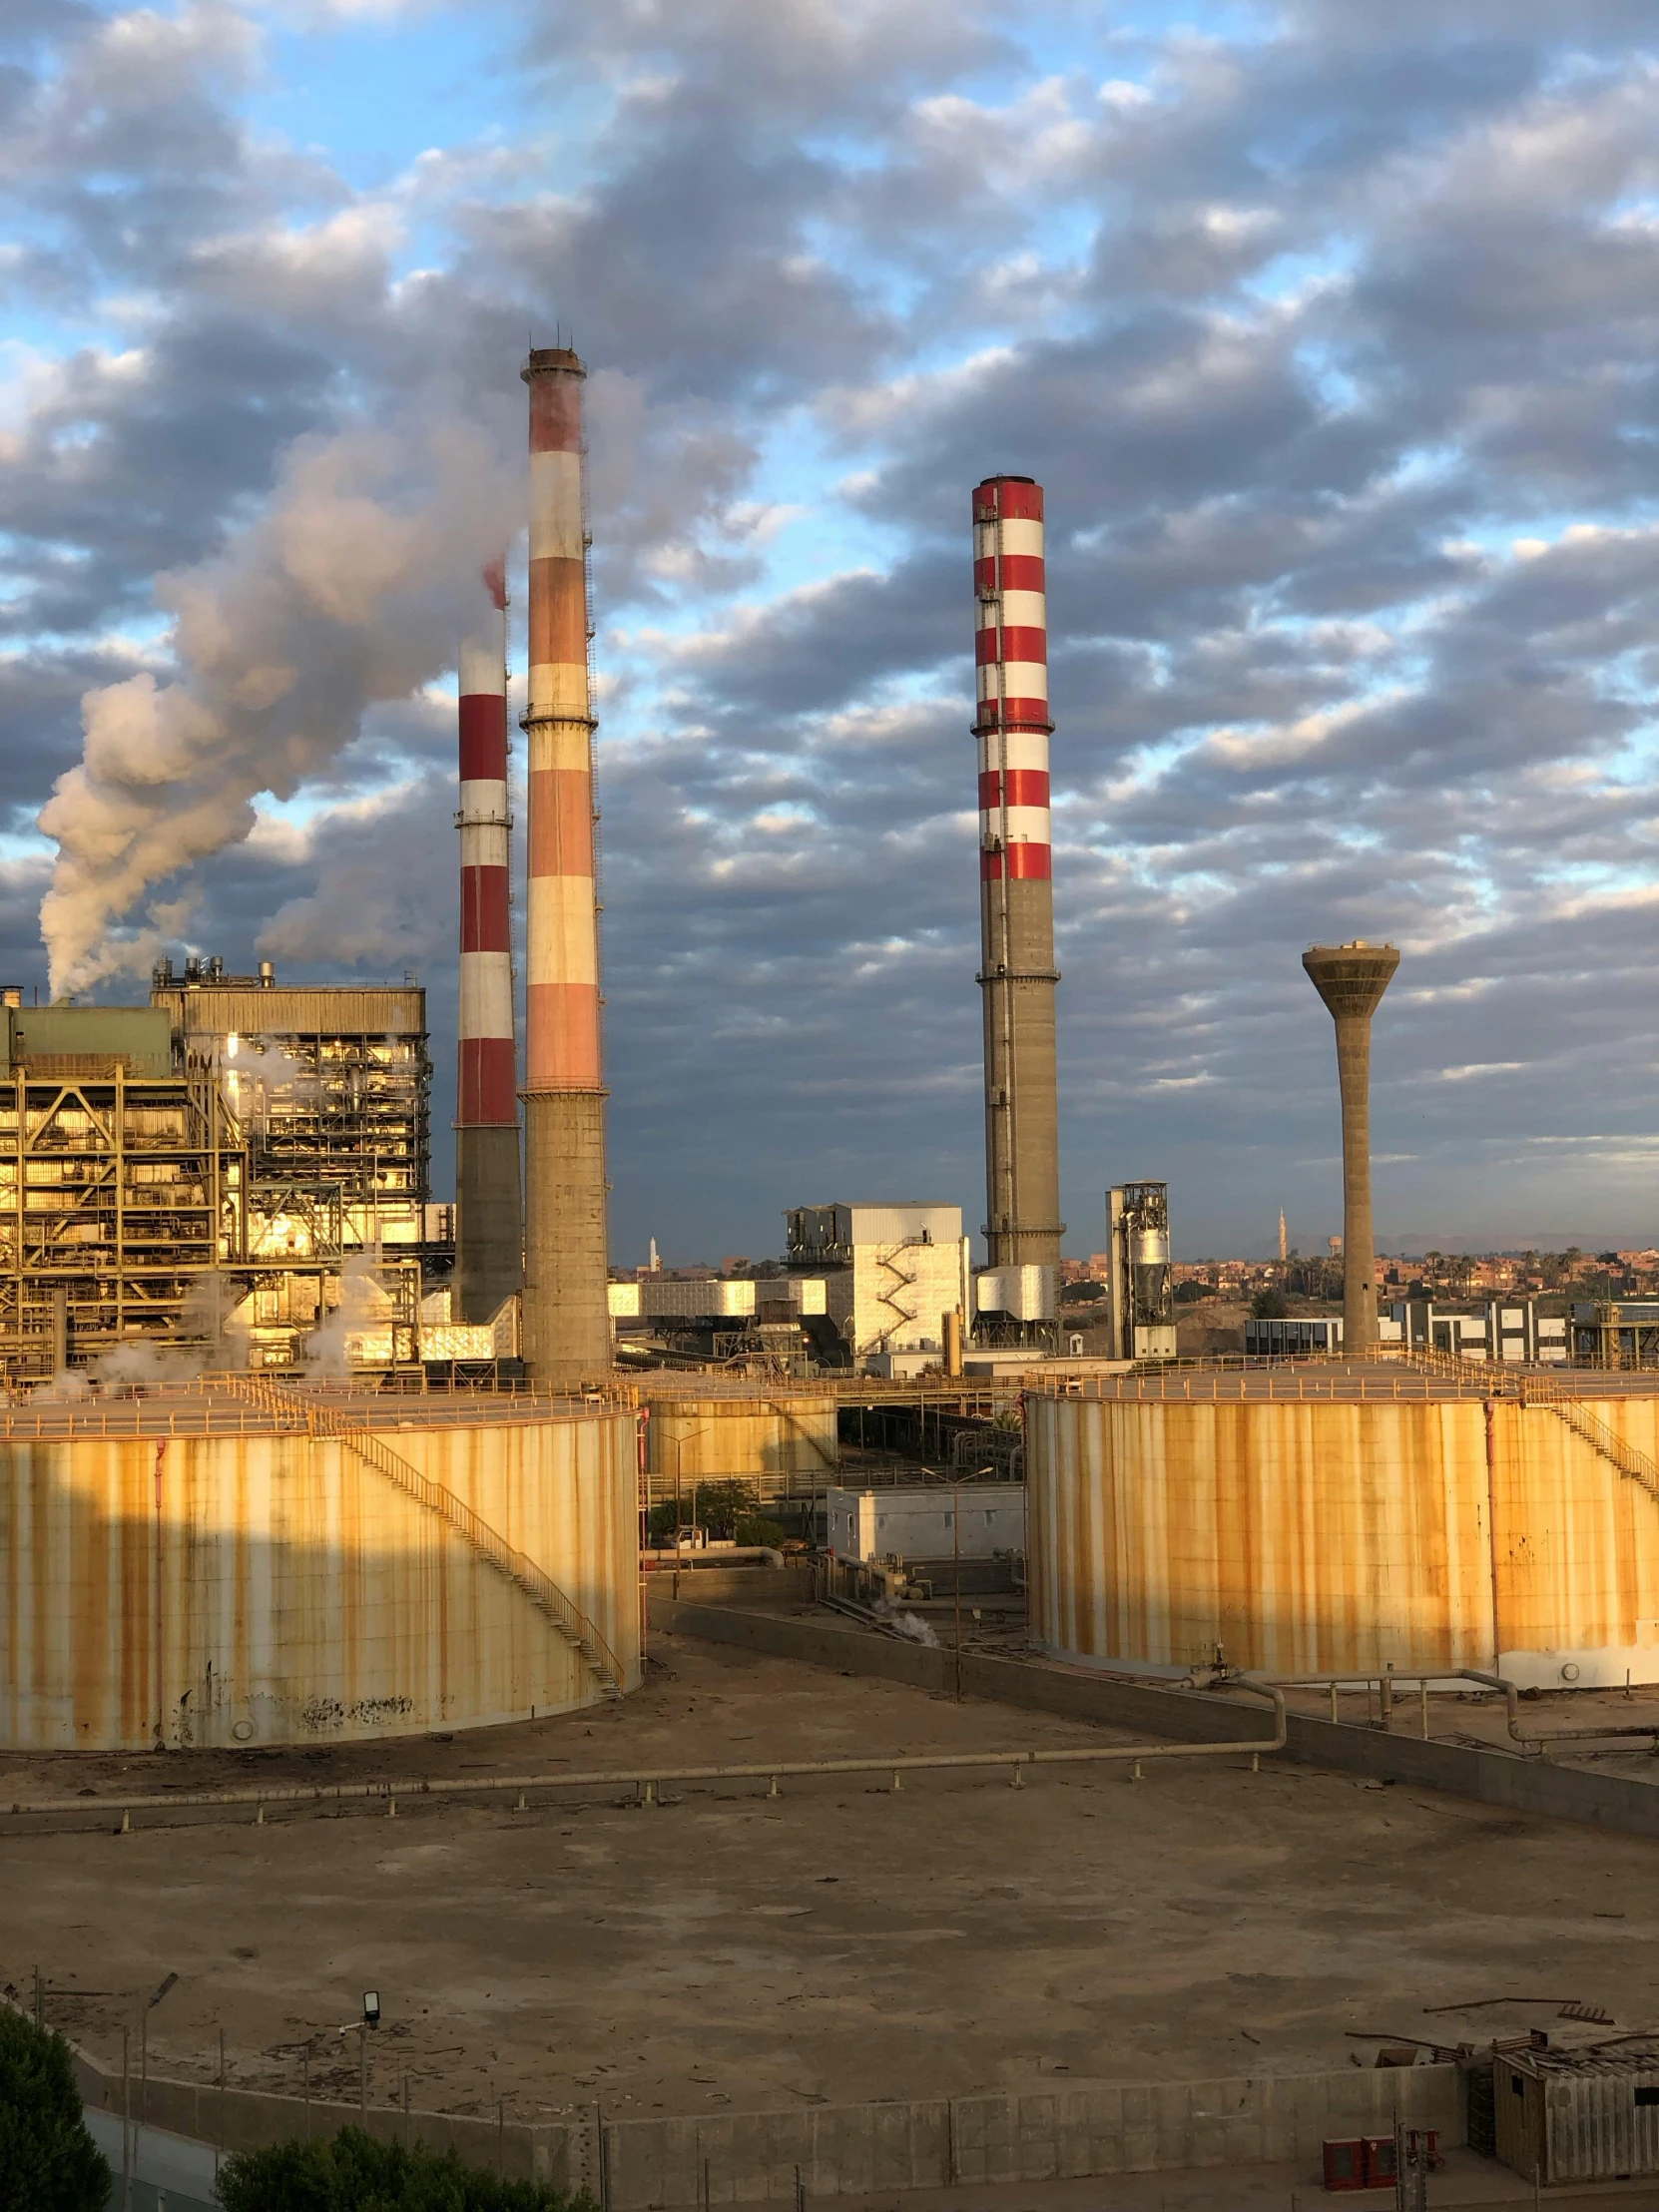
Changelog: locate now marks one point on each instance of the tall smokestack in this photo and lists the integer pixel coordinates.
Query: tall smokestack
(566, 1315)
(488, 1189)
(1352, 978)
(1017, 891)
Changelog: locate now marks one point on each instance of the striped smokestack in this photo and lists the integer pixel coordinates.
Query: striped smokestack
(489, 1207)
(566, 1319)
(1017, 895)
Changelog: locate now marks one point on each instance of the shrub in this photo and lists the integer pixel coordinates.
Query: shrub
(1269, 1306)
(48, 2162)
(755, 1529)
(353, 2174)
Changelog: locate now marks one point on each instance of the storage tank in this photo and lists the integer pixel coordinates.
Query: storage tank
(224, 1590)
(1316, 1536)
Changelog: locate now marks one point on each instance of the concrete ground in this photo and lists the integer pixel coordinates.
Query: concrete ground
(836, 1944)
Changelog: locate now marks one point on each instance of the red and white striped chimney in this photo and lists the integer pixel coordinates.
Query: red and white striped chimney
(489, 1228)
(1016, 898)
(566, 1315)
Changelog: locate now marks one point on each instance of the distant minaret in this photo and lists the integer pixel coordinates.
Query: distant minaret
(1283, 1242)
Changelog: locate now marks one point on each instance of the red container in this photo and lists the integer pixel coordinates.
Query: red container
(1380, 2166)
(1345, 2164)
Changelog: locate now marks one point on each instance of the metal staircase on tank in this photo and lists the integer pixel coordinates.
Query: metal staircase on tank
(296, 1416)
(1555, 1397)
(1576, 1415)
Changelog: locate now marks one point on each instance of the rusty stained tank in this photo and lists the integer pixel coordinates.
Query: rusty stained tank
(272, 1589)
(1350, 978)
(1321, 1538)
(780, 1441)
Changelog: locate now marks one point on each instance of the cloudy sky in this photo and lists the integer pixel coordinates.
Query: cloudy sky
(1330, 329)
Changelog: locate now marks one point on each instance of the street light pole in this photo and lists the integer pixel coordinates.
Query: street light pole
(956, 1576)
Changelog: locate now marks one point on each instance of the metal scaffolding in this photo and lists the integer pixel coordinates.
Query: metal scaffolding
(122, 1194)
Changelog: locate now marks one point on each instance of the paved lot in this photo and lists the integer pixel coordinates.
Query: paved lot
(839, 1943)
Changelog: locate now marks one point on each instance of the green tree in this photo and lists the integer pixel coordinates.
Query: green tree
(1269, 1306)
(48, 2162)
(353, 2174)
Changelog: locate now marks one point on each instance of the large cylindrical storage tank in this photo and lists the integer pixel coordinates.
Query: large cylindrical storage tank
(1342, 1538)
(781, 1441)
(279, 1589)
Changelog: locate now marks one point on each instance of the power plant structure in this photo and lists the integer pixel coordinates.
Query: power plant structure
(566, 1315)
(1018, 1294)
(489, 1185)
(1140, 1294)
(1350, 978)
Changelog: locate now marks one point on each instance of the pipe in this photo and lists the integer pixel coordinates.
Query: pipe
(642, 1778)
(488, 1184)
(567, 1333)
(1533, 1740)
(722, 1556)
(1017, 891)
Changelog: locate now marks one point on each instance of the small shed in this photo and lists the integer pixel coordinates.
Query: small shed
(1578, 2116)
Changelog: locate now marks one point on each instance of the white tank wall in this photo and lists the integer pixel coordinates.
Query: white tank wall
(284, 1591)
(1331, 1538)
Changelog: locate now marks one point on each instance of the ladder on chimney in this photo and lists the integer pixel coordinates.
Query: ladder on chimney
(295, 1414)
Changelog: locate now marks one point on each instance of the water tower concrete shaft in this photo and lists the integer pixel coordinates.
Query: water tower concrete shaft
(1016, 889)
(1352, 978)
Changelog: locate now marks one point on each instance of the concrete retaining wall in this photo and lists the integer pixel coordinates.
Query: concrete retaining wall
(1523, 1785)
(854, 2149)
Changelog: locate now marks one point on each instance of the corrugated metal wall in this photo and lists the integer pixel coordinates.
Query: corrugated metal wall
(1307, 1538)
(286, 1589)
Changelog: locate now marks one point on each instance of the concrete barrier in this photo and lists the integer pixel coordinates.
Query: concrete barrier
(856, 2150)
(1521, 1784)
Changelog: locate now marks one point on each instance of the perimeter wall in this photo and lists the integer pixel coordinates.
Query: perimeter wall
(1319, 1537)
(261, 1589)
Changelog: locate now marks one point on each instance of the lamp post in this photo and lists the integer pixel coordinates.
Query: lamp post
(680, 1444)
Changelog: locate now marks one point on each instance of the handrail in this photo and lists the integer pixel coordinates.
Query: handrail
(1390, 1678)
(297, 1414)
(649, 1778)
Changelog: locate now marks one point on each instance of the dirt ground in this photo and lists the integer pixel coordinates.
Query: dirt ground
(837, 1944)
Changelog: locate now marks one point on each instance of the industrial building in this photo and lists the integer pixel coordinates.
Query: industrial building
(1504, 1329)
(890, 1274)
(124, 1182)
(927, 1521)
(331, 1084)
(1140, 1295)
(772, 1324)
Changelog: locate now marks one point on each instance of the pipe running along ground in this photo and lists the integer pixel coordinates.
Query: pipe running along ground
(648, 1780)
(1533, 1740)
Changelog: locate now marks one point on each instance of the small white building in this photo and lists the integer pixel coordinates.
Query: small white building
(919, 1522)
(891, 1273)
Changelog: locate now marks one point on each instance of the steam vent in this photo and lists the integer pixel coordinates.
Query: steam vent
(1352, 978)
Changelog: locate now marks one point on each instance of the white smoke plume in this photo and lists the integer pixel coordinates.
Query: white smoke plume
(362, 1302)
(350, 590)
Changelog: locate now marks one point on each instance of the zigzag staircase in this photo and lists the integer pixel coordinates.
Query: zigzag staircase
(298, 1416)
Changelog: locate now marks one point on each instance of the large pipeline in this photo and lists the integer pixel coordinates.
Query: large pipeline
(644, 1779)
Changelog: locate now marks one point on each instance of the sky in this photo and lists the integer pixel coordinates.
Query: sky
(1331, 330)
